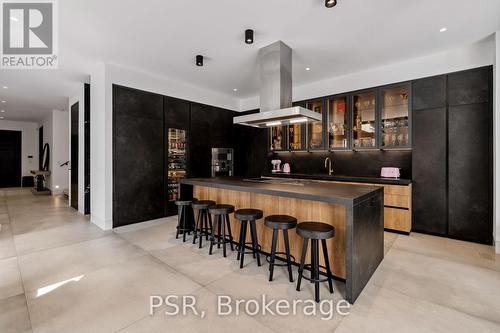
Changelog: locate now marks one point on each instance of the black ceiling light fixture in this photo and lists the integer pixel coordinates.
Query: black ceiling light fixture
(249, 36)
(330, 3)
(199, 60)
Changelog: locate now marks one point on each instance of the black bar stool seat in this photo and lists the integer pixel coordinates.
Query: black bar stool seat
(315, 231)
(283, 223)
(246, 215)
(221, 213)
(182, 224)
(203, 224)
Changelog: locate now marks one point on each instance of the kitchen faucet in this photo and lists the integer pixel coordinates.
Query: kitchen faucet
(328, 162)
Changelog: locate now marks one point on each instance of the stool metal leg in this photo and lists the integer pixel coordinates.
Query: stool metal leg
(184, 218)
(179, 219)
(200, 230)
(229, 232)
(242, 242)
(212, 239)
(197, 226)
(273, 254)
(327, 265)
(218, 219)
(223, 235)
(315, 268)
(209, 223)
(302, 261)
(255, 241)
(287, 251)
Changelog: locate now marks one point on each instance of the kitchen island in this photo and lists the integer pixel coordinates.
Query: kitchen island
(356, 212)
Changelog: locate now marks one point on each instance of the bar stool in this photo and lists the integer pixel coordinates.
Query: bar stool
(203, 224)
(182, 224)
(248, 215)
(221, 214)
(315, 231)
(284, 223)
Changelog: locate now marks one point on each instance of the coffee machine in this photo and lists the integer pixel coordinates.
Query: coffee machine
(222, 162)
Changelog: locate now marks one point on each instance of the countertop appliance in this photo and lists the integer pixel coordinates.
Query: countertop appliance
(222, 162)
(276, 165)
(390, 172)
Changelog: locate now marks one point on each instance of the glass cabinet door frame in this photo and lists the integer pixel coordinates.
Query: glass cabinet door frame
(349, 111)
(376, 92)
(380, 110)
(284, 144)
(324, 134)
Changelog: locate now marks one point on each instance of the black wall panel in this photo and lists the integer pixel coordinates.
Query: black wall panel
(468, 87)
(470, 172)
(429, 93)
(138, 165)
(177, 113)
(429, 171)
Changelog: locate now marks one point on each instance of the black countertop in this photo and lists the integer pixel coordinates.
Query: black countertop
(344, 194)
(340, 178)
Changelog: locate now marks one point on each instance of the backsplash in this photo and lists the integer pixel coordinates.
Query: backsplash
(348, 163)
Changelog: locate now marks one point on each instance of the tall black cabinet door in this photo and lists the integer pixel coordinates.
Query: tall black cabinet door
(429, 171)
(470, 172)
(138, 164)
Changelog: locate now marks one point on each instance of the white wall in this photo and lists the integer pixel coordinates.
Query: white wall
(29, 146)
(470, 56)
(56, 134)
(59, 152)
(79, 96)
(496, 144)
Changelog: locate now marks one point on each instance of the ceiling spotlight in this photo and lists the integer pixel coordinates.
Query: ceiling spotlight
(330, 3)
(443, 29)
(199, 60)
(249, 36)
(308, 69)
(4, 101)
(5, 87)
(2, 111)
(2, 117)
(235, 89)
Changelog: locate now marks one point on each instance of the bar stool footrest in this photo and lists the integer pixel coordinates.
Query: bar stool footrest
(292, 259)
(247, 251)
(314, 280)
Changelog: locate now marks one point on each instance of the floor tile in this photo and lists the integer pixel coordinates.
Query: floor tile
(450, 249)
(383, 310)
(466, 288)
(14, 316)
(63, 235)
(107, 299)
(211, 322)
(44, 268)
(10, 278)
(159, 236)
(7, 248)
(389, 239)
(198, 265)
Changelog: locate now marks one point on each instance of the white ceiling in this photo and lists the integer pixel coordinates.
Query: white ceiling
(162, 37)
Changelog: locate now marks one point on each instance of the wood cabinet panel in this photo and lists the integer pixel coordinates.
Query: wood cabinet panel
(397, 219)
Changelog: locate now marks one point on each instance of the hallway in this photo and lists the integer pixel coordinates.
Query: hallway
(61, 273)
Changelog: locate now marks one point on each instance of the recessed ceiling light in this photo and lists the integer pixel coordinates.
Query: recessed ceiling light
(249, 36)
(308, 69)
(4, 101)
(330, 3)
(235, 89)
(5, 87)
(443, 29)
(2, 117)
(199, 60)
(2, 111)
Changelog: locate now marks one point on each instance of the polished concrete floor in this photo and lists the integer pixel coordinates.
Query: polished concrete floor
(60, 273)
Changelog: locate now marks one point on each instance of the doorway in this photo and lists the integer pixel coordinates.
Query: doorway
(74, 155)
(10, 158)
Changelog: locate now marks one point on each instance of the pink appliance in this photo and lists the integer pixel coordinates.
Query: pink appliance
(389, 172)
(286, 168)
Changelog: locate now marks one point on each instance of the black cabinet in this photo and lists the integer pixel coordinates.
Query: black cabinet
(176, 113)
(138, 150)
(429, 171)
(453, 155)
(470, 172)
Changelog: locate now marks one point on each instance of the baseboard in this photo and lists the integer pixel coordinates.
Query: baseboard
(103, 224)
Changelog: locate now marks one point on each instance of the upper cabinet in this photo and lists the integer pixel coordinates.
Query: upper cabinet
(378, 118)
(315, 131)
(338, 123)
(364, 111)
(394, 116)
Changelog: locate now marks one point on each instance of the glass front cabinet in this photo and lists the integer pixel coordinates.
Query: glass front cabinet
(378, 118)
(338, 123)
(176, 148)
(394, 116)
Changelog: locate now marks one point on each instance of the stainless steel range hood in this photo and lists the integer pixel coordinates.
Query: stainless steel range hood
(276, 91)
